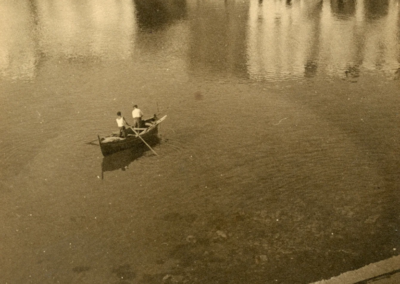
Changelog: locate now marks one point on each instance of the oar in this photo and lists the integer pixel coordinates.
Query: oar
(137, 134)
(91, 142)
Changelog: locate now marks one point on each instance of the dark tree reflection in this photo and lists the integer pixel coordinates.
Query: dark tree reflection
(155, 14)
(376, 9)
(343, 8)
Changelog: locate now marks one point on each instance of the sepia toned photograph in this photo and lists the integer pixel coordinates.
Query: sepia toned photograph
(200, 141)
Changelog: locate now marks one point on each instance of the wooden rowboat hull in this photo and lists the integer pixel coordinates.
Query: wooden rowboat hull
(108, 148)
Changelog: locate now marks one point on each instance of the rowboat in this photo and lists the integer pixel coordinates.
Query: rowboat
(136, 137)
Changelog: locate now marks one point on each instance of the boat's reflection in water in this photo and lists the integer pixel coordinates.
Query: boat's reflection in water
(121, 160)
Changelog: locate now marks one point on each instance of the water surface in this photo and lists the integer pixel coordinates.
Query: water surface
(278, 162)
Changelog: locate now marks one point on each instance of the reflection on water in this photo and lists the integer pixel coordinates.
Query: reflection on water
(309, 38)
(283, 40)
(33, 31)
(258, 39)
(18, 46)
(343, 9)
(319, 157)
(86, 28)
(121, 160)
(218, 38)
(155, 14)
(378, 9)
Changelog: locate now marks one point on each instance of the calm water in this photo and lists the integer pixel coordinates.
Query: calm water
(278, 162)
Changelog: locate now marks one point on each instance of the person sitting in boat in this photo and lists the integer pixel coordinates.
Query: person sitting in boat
(151, 121)
(121, 124)
(137, 115)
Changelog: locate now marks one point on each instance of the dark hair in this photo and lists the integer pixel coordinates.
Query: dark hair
(119, 113)
(135, 106)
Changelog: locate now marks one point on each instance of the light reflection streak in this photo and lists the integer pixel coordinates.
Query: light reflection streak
(281, 38)
(284, 39)
(291, 41)
(89, 29)
(337, 41)
(381, 49)
(92, 28)
(17, 46)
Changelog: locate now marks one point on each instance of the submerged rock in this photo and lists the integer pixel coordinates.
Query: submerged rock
(222, 234)
(261, 258)
(173, 279)
(191, 239)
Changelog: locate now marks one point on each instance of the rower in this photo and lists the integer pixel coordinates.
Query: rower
(121, 122)
(137, 115)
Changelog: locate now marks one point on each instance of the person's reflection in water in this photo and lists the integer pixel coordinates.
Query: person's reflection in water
(397, 74)
(310, 69)
(352, 71)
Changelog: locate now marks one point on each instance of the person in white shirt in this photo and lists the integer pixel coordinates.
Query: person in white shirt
(137, 116)
(121, 124)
